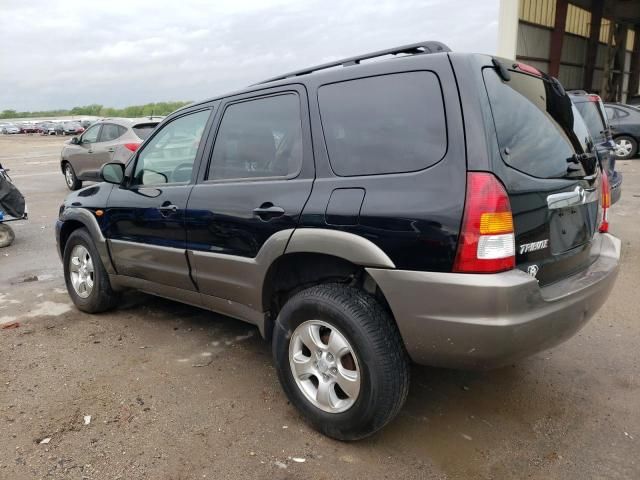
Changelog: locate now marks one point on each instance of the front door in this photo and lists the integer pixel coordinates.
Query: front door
(81, 153)
(252, 192)
(145, 217)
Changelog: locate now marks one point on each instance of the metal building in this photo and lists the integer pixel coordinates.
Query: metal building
(588, 44)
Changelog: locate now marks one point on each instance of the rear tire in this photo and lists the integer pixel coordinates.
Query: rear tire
(626, 147)
(86, 278)
(6, 235)
(372, 354)
(70, 177)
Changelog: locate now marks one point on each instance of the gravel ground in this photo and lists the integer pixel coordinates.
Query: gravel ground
(175, 392)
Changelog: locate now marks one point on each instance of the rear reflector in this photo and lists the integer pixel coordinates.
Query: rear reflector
(132, 146)
(606, 203)
(487, 242)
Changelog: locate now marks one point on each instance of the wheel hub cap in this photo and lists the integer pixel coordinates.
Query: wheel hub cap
(324, 366)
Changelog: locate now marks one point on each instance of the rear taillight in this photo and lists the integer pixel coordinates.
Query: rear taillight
(593, 98)
(132, 146)
(606, 203)
(487, 242)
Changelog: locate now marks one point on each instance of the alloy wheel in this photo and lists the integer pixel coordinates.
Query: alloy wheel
(68, 175)
(623, 147)
(81, 271)
(324, 366)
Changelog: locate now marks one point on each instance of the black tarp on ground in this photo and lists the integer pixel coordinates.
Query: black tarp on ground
(11, 200)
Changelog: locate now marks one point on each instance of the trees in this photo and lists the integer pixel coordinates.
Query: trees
(97, 110)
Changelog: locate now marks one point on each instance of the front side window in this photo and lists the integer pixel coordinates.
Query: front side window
(387, 124)
(259, 138)
(91, 135)
(170, 154)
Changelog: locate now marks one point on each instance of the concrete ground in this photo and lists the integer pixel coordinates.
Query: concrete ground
(175, 392)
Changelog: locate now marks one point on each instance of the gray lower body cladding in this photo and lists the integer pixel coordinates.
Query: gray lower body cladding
(485, 321)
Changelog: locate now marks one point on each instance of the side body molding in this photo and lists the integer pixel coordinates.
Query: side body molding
(349, 246)
(88, 219)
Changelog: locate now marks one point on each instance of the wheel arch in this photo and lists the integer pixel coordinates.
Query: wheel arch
(75, 218)
(298, 270)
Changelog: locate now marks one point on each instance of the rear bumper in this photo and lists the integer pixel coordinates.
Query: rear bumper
(485, 321)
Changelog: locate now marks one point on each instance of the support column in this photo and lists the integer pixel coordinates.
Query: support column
(634, 75)
(508, 28)
(592, 46)
(557, 35)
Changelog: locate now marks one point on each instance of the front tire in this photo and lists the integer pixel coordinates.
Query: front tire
(626, 147)
(6, 235)
(340, 360)
(85, 276)
(70, 177)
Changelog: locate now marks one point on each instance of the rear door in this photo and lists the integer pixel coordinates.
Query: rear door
(101, 151)
(258, 178)
(547, 162)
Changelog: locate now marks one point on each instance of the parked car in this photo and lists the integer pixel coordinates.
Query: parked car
(441, 208)
(625, 128)
(72, 128)
(47, 128)
(28, 128)
(109, 140)
(592, 110)
(10, 129)
(58, 128)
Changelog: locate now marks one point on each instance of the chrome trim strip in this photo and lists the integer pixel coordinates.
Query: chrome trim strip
(578, 196)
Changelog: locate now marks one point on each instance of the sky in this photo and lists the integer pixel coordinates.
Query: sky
(61, 54)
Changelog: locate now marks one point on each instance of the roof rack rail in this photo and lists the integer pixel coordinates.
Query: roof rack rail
(411, 49)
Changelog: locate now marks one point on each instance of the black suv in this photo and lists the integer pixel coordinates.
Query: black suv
(436, 207)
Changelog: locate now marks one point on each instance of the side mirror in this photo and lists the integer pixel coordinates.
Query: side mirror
(75, 141)
(112, 173)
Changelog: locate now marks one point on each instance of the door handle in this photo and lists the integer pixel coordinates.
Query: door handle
(89, 151)
(111, 149)
(168, 209)
(268, 210)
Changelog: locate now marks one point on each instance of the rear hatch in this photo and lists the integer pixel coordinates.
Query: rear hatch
(547, 163)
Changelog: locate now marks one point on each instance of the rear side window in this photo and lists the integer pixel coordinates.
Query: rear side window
(259, 138)
(387, 124)
(538, 129)
(143, 131)
(111, 132)
(591, 115)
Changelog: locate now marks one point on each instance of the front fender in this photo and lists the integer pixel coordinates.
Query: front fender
(72, 218)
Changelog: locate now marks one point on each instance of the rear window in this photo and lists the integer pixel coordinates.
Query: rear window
(592, 117)
(144, 130)
(385, 124)
(539, 130)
